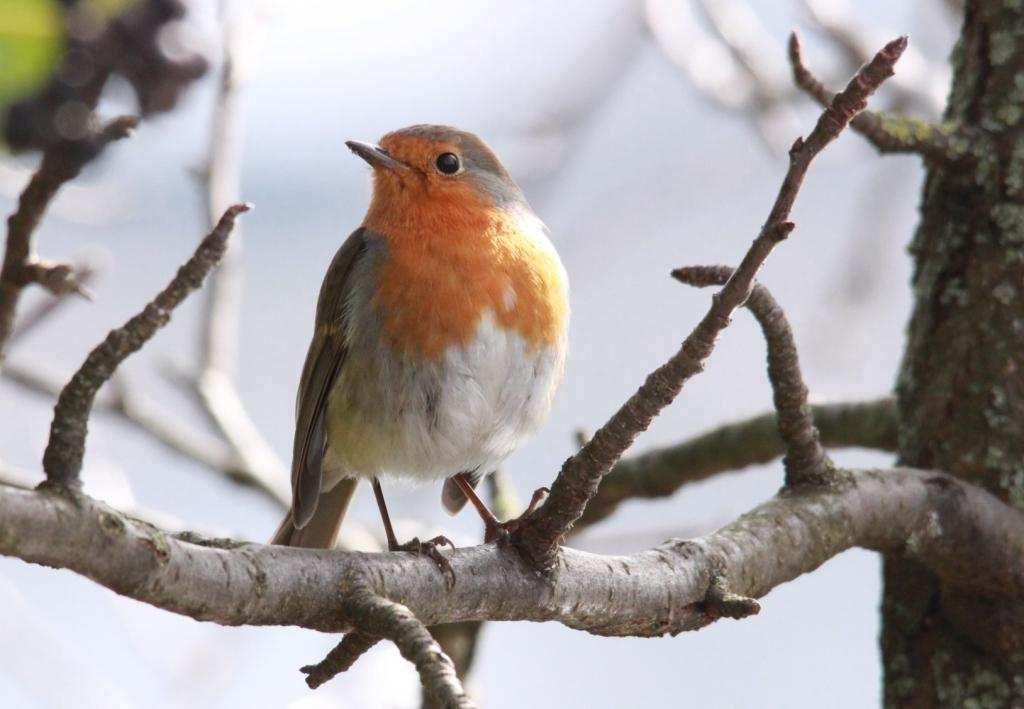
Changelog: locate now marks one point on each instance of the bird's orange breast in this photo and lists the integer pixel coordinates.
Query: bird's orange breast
(450, 261)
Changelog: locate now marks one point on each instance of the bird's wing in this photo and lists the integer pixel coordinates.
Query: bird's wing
(326, 357)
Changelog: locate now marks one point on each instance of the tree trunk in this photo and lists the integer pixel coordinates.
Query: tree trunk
(960, 390)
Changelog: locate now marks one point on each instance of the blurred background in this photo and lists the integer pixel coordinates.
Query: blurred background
(648, 136)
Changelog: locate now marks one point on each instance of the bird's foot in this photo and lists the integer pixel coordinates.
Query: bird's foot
(430, 550)
(502, 531)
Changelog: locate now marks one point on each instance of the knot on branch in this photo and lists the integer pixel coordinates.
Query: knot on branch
(806, 461)
(720, 602)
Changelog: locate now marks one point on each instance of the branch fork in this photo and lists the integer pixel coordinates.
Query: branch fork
(580, 476)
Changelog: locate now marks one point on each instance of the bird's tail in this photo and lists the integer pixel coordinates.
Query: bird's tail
(451, 495)
(322, 530)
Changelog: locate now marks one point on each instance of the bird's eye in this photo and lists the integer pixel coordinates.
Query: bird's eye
(448, 163)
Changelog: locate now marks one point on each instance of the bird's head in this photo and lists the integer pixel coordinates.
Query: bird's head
(430, 173)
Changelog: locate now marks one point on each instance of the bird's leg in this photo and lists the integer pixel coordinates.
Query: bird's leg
(493, 529)
(428, 548)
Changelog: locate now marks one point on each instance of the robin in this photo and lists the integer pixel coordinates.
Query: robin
(440, 337)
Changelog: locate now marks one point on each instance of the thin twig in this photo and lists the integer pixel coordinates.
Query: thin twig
(888, 133)
(353, 646)
(142, 413)
(56, 168)
(380, 617)
(221, 178)
(213, 383)
(581, 474)
(806, 461)
(85, 273)
(734, 446)
(62, 459)
(909, 89)
(59, 278)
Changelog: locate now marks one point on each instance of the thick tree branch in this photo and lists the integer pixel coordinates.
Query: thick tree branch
(886, 132)
(806, 461)
(967, 536)
(754, 441)
(56, 168)
(581, 474)
(62, 459)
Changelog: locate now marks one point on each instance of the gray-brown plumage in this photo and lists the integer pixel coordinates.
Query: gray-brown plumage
(315, 518)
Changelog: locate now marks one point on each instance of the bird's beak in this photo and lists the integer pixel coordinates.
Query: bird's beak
(376, 156)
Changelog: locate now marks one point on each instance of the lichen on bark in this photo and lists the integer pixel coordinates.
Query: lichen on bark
(960, 389)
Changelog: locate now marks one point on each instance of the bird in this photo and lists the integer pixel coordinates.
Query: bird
(439, 342)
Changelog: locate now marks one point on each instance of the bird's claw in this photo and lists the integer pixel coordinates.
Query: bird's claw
(430, 550)
(501, 532)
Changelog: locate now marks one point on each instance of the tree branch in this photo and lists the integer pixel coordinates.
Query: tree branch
(57, 167)
(966, 535)
(886, 132)
(835, 21)
(380, 617)
(353, 646)
(84, 272)
(62, 459)
(754, 441)
(806, 461)
(581, 474)
(213, 381)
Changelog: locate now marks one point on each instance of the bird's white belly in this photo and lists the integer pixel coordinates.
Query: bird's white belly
(395, 415)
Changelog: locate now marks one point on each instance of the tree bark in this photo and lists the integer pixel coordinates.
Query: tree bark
(960, 389)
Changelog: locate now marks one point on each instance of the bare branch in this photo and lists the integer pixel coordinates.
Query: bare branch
(141, 412)
(84, 273)
(459, 640)
(353, 646)
(755, 441)
(888, 133)
(256, 463)
(58, 278)
(967, 536)
(62, 459)
(806, 461)
(219, 323)
(581, 474)
(57, 167)
(917, 83)
(381, 617)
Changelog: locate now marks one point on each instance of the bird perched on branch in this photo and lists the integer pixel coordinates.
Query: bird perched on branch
(440, 336)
